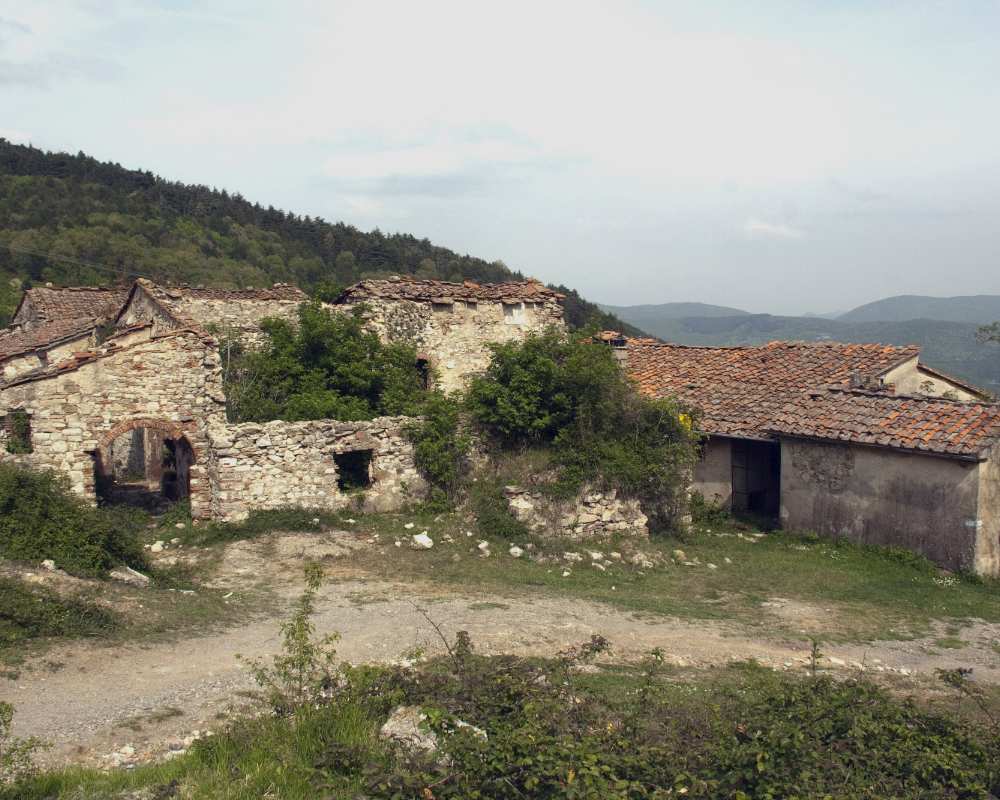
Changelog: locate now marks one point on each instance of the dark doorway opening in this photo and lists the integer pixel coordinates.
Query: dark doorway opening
(756, 478)
(354, 470)
(144, 467)
(424, 373)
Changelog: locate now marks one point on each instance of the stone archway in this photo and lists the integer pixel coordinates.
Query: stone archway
(145, 462)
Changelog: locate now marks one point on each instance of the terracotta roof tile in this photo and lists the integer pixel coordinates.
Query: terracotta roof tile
(405, 288)
(74, 302)
(740, 389)
(913, 423)
(15, 342)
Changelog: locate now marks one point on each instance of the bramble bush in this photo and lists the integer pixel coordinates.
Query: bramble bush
(569, 394)
(41, 519)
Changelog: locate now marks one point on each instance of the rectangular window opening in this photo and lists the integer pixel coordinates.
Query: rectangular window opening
(513, 313)
(17, 425)
(354, 470)
(441, 308)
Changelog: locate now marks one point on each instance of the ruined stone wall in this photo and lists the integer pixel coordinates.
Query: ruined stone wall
(172, 383)
(882, 497)
(455, 336)
(242, 317)
(239, 316)
(590, 515)
(283, 464)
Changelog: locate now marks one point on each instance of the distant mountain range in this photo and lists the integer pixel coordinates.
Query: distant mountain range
(945, 328)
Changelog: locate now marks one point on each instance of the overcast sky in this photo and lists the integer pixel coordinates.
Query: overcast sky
(779, 157)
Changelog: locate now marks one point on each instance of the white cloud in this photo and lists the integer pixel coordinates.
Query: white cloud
(756, 228)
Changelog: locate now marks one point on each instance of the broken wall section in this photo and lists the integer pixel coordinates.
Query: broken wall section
(590, 515)
(454, 335)
(321, 464)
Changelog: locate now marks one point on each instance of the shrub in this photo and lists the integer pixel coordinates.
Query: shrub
(41, 519)
(325, 367)
(571, 396)
(440, 447)
(303, 674)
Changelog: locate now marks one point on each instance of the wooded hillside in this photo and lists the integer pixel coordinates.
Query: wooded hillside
(73, 220)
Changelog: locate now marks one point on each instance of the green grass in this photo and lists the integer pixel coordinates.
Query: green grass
(263, 757)
(852, 592)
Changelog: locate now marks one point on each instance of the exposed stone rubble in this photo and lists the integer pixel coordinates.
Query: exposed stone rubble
(591, 514)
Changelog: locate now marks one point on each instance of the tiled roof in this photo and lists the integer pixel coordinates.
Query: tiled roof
(75, 302)
(740, 389)
(922, 424)
(442, 291)
(15, 342)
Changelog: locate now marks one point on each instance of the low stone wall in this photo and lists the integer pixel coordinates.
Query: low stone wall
(292, 464)
(590, 515)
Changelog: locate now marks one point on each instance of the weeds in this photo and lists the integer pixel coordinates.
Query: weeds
(303, 674)
(16, 754)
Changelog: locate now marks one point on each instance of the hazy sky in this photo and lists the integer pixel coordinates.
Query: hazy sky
(774, 156)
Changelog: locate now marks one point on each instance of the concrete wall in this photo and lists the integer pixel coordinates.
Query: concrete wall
(908, 378)
(988, 540)
(286, 464)
(455, 336)
(172, 383)
(713, 474)
(883, 497)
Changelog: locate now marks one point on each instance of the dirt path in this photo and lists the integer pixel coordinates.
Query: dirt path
(150, 698)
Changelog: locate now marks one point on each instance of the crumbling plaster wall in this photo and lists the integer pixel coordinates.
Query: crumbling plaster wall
(713, 474)
(282, 464)
(909, 378)
(171, 382)
(988, 539)
(882, 497)
(455, 336)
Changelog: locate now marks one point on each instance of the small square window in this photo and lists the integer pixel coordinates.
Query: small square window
(354, 470)
(472, 305)
(17, 425)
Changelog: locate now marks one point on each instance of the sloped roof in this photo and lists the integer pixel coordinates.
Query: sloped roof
(404, 288)
(54, 304)
(16, 342)
(922, 424)
(740, 389)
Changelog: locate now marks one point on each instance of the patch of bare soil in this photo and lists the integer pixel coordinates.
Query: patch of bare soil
(110, 706)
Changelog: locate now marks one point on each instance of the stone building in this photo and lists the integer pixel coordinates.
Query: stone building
(830, 438)
(120, 390)
(453, 324)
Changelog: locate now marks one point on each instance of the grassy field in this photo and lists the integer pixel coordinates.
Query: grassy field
(851, 592)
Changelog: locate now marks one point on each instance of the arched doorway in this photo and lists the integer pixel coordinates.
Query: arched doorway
(145, 463)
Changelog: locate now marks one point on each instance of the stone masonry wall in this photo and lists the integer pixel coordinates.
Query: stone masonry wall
(590, 515)
(171, 383)
(282, 464)
(455, 337)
